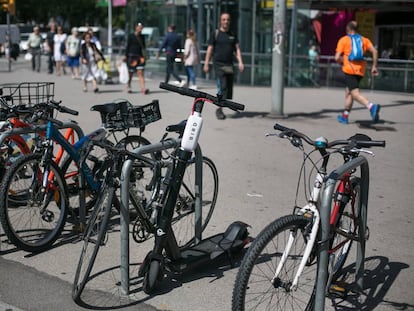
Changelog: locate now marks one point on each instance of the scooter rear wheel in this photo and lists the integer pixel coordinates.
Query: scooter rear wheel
(152, 277)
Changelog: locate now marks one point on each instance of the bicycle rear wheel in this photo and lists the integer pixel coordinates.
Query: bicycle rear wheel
(257, 287)
(183, 222)
(94, 237)
(32, 216)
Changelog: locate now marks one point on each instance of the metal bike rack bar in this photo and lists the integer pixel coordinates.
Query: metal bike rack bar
(325, 210)
(124, 221)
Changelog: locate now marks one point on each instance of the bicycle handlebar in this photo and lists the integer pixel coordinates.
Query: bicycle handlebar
(56, 105)
(358, 140)
(198, 94)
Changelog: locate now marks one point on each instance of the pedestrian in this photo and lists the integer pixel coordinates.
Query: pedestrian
(349, 52)
(50, 46)
(191, 58)
(171, 44)
(313, 65)
(135, 55)
(223, 45)
(73, 44)
(90, 55)
(35, 44)
(59, 49)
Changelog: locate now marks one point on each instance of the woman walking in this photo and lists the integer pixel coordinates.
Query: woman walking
(90, 55)
(191, 58)
(59, 48)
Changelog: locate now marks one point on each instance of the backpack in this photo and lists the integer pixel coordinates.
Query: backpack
(357, 50)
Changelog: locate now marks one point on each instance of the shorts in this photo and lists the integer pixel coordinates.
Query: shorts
(73, 61)
(352, 81)
(135, 63)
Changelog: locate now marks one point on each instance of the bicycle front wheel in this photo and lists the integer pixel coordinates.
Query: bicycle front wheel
(258, 286)
(32, 215)
(183, 222)
(94, 237)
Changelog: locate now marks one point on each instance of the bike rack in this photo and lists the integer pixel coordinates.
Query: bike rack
(325, 209)
(124, 211)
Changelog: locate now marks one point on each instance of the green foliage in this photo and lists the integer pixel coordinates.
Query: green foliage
(69, 13)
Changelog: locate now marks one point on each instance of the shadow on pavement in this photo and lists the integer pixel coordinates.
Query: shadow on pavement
(380, 275)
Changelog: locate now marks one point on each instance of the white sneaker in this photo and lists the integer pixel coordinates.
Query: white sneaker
(193, 87)
(181, 84)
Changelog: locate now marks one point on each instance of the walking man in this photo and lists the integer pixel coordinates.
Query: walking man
(349, 52)
(171, 44)
(50, 47)
(223, 45)
(35, 45)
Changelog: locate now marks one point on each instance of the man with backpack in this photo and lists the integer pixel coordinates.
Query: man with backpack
(350, 52)
(223, 45)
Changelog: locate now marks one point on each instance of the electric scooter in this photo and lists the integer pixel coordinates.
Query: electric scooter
(166, 254)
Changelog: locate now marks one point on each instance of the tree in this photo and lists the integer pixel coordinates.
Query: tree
(68, 13)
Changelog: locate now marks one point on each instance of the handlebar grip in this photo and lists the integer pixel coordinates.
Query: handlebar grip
(370, 143)
(281, 128)
(68, 110)
(56, 105)
(179, 90)
(232, 105)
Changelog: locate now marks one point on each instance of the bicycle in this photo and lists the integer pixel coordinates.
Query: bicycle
(153, 174)
(16, 107)
(35, 192)
(280, 269)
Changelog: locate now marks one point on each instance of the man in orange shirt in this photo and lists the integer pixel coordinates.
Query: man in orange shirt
(354, 70)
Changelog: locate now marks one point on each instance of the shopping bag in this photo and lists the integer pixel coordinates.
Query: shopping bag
(123, 73)
(28, 56)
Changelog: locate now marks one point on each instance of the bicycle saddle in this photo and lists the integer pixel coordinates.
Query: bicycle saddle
(109, 107)
(177, 128)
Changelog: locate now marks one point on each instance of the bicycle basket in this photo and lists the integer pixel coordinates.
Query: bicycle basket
(132, 116)
(28, 93)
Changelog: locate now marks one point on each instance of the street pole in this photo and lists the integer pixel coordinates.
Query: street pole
(278, 55)
(110, 29)
(9, 39)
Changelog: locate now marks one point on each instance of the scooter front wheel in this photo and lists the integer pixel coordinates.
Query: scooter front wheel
(152, 277)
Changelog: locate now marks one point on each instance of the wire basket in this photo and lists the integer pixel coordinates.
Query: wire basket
(28, 93)
(132, 116)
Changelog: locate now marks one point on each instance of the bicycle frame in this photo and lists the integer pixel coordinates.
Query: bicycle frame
(53, 134)
(22, 143)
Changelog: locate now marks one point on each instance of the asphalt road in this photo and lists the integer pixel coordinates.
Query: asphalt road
(258, 177)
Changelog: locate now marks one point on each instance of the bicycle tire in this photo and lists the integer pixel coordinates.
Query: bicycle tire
(24, 221)
(96, 227)
(183, 222)
(346, 226)
(254, 290)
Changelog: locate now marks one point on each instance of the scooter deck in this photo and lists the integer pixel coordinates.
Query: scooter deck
(207, 250)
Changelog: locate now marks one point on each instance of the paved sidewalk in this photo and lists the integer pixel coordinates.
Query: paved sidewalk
(258, 178)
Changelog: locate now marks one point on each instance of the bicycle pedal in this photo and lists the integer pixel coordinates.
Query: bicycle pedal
(338, 290)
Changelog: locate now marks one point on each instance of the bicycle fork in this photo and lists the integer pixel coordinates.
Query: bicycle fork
(309, 208)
